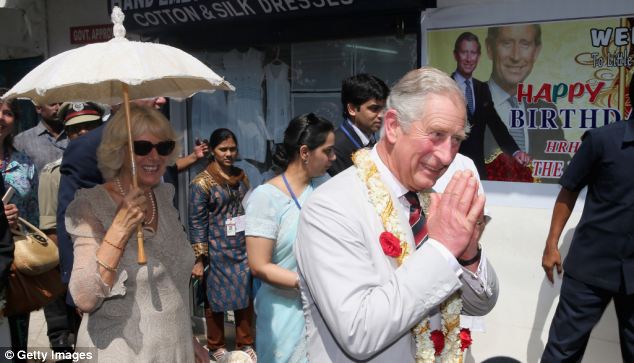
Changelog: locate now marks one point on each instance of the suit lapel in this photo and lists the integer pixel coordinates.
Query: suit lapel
(350, 133)
(403, 220)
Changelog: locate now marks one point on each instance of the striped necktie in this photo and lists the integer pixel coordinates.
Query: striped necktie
(468, 93)
(372, 141)
(517, 132)
(416, 219)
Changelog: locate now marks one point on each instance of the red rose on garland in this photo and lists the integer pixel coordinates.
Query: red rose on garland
(504, 167)
(390, 244)
(465, 339)
(438, 338)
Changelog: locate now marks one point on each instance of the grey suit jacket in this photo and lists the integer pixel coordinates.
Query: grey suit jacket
(359, 306)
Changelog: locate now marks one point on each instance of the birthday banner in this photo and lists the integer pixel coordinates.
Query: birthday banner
(549, 83)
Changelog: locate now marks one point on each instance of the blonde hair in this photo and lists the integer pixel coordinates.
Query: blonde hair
(114, 143)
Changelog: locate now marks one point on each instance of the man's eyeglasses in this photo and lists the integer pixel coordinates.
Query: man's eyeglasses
(163, 148)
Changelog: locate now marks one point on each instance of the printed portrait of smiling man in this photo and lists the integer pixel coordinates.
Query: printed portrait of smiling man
(513, 51)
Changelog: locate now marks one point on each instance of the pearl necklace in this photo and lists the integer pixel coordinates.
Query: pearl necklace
(117, 182)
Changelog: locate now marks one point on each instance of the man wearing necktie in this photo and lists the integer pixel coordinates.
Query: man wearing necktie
(513, 51)
(480, 109)
(362, 99)
(359, 301)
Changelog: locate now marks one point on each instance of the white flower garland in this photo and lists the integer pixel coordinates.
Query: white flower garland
(450, 309)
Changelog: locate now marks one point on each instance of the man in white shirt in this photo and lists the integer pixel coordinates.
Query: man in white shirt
(362, 292)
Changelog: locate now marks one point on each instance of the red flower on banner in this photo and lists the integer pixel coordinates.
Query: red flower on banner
(438, 338)
(505, 168)
(465, 339)
(390, 244)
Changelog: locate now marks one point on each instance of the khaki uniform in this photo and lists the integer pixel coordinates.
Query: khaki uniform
(47, 194)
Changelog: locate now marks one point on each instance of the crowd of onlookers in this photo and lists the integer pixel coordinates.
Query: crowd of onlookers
(71, 175)
(273, 254)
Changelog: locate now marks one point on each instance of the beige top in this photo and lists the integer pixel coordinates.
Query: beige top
(145, 316)
(47, 194)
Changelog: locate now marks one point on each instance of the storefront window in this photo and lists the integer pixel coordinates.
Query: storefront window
(319, 67)
(277, 82)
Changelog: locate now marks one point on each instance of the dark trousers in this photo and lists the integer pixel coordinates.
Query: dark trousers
(62, 323)
(19, 330)
(580, 308)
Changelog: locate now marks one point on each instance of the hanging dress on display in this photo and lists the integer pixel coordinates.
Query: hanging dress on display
(278, 100)
(209, 109)
(245, 106)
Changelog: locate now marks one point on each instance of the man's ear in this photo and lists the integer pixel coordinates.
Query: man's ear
(391, 125)
(352, 109)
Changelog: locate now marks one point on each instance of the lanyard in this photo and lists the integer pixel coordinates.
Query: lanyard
(290, 191)
(356, 144)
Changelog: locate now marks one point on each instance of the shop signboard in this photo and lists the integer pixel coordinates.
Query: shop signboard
(90, 34)
(550, 82)
(143, 15)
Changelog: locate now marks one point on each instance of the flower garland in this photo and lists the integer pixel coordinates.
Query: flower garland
(446, 345)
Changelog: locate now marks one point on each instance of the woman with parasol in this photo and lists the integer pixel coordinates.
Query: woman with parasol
(133, 312)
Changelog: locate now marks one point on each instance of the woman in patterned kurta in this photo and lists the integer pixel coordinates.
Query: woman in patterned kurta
(216, 229)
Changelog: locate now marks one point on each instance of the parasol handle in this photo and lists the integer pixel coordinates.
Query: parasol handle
(139, 229)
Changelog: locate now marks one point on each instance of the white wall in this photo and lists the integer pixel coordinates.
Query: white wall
(518, 325)
(23, 32)
(64, 14)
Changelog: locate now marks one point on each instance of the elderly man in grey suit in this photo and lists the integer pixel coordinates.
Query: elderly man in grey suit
(378, 252)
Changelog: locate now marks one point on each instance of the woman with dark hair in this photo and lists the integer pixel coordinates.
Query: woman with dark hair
(215, 219)
(17, 169)
(271, 227)
(18, 172)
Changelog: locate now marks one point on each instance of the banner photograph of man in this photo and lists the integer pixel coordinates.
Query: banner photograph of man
(481, 112)
(513, 51)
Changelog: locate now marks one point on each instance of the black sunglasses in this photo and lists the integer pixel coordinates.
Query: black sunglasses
(163, 148)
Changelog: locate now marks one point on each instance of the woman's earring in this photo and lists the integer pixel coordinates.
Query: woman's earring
(305, 161)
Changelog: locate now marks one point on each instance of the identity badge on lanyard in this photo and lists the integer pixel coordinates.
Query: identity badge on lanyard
(235, 225)
(345, 131)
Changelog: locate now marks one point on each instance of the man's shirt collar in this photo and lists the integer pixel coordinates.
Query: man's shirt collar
(498, 95)
(41, 129)
(393, 184)
(364, 139)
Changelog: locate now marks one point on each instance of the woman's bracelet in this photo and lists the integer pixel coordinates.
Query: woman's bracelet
(105, 265)
(112, 244)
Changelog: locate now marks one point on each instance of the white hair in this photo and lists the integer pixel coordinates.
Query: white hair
(408, 95)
